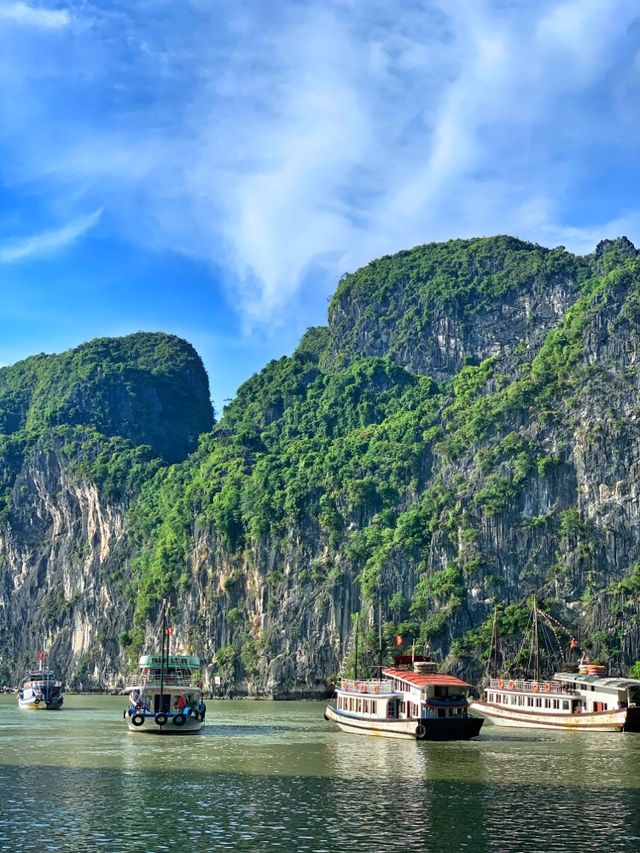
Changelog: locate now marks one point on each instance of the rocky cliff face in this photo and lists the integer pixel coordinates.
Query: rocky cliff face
(463, 434)
(83, 431)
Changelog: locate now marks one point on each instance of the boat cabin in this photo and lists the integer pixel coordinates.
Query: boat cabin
(411, 689)
(567, 692)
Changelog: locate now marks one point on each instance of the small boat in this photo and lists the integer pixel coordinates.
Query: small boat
(411, 700)
(579, 697)
(166, 698)
(40, 689)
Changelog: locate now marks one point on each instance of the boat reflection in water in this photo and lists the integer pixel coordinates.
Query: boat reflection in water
(412, 700)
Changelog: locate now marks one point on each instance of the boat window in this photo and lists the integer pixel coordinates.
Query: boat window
(538, 703)
(546, 703)
(565, 705)
(556, 703)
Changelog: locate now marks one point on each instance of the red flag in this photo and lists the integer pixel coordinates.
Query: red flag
(399, 640)
(573, 644)
(168, 631)
(41, 655)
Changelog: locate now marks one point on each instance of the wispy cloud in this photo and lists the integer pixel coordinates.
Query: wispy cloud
(34, 16)
(288, 143)
(49, 242)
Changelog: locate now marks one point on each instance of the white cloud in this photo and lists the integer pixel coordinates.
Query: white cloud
(49, 242)
(31, 16)
(289, 143)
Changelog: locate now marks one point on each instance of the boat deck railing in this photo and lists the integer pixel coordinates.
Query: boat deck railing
(373, 685)
(527, 686)
(170, 680)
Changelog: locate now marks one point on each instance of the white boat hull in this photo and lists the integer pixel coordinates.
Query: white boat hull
(31, 704)
(601, 721)
(164, 724)
(458, 728)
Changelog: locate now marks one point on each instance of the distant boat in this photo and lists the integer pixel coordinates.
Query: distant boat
(412, 700)
(166, 698)
(581, 697)
(40, 689)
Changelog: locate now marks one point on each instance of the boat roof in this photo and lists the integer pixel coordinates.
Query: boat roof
(617, 683)
(40, 674)
(423, 679)
(170, 661)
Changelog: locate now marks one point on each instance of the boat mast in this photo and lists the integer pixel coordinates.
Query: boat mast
(536, 644)
(380, 638)
(495, 641)
(164, 633)
(355, 665)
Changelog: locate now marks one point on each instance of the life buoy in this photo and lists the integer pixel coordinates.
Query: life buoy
(501, 684)
(364, 689)
(512, 685)
(179, 720)
(345, 686)
(420, 731)
(356, 685)
(138, 720)
(547, 687)
(376, 689)
(535, 687)
(37, 701)
(160, 719)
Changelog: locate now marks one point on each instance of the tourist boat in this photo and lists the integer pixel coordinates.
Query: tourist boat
(411, 700)
(166, 698)
(40, 689)
(570, 700)
(581, 697)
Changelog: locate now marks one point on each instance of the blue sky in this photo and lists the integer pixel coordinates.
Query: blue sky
(212, 168)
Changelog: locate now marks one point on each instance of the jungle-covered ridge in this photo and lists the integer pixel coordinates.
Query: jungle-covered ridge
(462, 434)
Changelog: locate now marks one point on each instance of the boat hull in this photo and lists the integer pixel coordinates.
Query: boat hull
(447, 728)
(164, 724)
(32, 705)
(622, 719)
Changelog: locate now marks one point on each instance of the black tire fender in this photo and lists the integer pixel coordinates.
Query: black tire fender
(179, 720)
(137, 720)
(420, 731)
(160, 719)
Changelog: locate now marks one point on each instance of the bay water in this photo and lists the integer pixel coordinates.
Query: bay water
(274, 776)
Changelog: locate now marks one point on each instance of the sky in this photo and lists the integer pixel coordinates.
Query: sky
(211, 168)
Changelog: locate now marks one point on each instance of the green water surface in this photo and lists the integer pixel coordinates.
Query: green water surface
(274, 776)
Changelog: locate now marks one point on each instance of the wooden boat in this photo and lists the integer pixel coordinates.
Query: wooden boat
(40, 689)
(411, 700)
(580, 697)
(166, 698)
(569, 700)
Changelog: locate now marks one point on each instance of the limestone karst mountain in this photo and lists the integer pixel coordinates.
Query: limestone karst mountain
(464, 432)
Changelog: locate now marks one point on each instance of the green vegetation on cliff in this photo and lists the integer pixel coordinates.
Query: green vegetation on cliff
(333, 467)
(460, 436)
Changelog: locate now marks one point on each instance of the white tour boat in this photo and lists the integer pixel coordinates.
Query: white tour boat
(580, 697)
(40, 690)
(167, 698)
(580, 701)
(411, 700)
